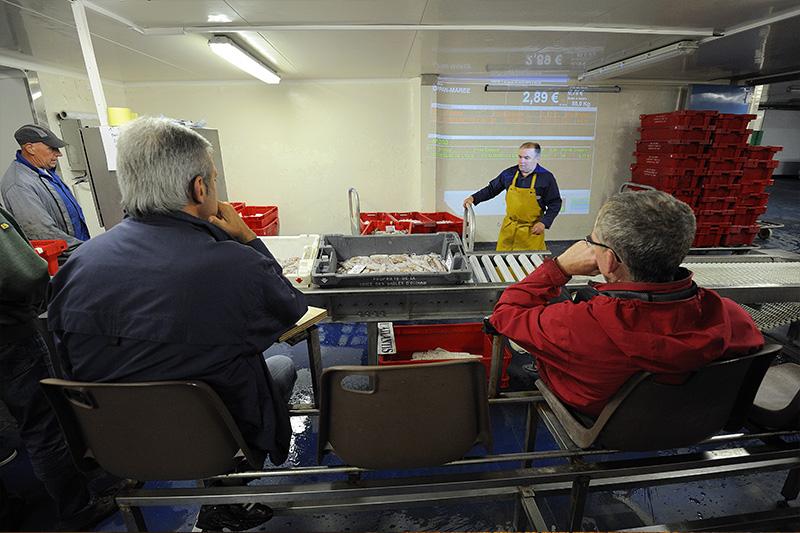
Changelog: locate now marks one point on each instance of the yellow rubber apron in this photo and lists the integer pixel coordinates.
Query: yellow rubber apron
(522, 212)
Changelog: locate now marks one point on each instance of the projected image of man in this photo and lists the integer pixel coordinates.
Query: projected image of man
(532, 201)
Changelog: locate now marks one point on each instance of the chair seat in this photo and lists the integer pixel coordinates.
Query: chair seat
(777, 403)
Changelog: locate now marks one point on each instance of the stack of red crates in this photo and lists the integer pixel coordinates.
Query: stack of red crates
(410, 222)
(702, 158)
(262, 219)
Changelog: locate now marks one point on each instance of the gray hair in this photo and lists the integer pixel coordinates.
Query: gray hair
(651, 232)
(157, 159)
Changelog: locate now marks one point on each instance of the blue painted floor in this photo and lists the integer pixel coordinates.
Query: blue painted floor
(346, 344)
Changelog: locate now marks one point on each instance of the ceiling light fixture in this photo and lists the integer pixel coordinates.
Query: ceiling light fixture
(640, 61)
(227, 49)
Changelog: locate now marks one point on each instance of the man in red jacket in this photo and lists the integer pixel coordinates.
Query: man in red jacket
(648, 316)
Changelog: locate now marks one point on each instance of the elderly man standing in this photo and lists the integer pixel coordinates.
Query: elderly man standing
(36, 195)
(181, 289)
(648, 316)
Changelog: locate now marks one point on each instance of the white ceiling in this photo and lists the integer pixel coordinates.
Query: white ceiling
(44, 31)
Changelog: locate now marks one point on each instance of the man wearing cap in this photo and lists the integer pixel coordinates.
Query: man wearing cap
(36, 195)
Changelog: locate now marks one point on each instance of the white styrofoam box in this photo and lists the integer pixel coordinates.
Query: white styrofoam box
(303, 246)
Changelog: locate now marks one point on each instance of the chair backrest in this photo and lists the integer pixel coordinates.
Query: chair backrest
(777, 404)
(149, 431)
(406, 416)
(647, 415)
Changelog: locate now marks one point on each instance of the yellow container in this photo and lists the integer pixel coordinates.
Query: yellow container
(118, 116)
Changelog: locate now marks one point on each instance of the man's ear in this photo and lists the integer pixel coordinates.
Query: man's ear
(197, 189)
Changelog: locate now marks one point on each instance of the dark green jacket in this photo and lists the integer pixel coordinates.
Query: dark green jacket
(23, 281)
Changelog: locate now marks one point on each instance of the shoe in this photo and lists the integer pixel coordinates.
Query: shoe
(95, 512)
(7, 455)
(235, 517)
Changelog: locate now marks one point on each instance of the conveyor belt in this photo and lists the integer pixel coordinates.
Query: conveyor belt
(774, 315)
(756, 282)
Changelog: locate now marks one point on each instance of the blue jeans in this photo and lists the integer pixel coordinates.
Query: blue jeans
(284, 374)
(22, 364)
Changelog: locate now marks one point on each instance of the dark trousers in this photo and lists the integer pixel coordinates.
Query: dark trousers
(22, 364)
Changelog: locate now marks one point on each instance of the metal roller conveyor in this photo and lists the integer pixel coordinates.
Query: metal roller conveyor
(768, 278)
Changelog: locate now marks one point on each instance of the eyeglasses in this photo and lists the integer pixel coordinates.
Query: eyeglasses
(589, 240)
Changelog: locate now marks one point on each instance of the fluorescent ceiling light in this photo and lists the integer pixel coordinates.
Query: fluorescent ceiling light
(219, 17)
(641, 61)
(227, 49)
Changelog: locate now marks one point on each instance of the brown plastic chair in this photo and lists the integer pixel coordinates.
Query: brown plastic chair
(777, 403)
(646, 415)
(149, 431)
(408, 416)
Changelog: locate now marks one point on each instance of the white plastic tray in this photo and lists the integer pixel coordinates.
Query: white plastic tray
(303, 246)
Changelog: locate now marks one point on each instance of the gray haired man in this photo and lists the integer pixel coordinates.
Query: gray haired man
(180, 289)
(648, 316)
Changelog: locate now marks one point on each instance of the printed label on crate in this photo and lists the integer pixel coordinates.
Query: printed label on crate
(386, 344)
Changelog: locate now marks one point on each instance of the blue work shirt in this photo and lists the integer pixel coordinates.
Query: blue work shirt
(74, 210)
(173, 297)
(547, 193)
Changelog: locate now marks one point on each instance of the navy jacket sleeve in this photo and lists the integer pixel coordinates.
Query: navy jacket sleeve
(279, 299)
(550, 202)
(495, 187)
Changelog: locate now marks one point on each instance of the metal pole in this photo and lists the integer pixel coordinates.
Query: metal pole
(468, 231)
(85, 38)
(355, 211)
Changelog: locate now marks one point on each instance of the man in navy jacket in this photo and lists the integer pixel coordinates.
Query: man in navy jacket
(180, 289)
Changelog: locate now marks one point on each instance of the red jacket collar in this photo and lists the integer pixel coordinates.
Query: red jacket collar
(684, 281)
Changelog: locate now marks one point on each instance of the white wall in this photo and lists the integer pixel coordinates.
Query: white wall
(67, 93)
(301, 145)
(15, 110)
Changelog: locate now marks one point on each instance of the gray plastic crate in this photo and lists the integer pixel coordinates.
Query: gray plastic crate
(334, 249)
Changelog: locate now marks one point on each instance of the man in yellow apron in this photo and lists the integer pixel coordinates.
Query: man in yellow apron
(532, 201)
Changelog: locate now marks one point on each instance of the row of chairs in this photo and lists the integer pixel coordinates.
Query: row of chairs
(372, 417)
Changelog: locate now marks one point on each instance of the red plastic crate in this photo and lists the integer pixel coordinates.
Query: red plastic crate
(446, 221)
(452, 337)
(747, 216)
(719, 190)
(238, 206)
(732, 137)
(49, 250)
(415, 222)
(719, 217)
(667, 183)
(685, 119)
(739, 235)
(755, 186)
(763, 152)
(707, 236)
(678, 134)
(716, 163)
(714, 203)
(759, 169)
(688, 196)
(726, 150)
(271, 230)
(722, 177)
(733, 121)
(754, 200)
(670, 147)
(378, 222)
(679, 161)
(258, 217)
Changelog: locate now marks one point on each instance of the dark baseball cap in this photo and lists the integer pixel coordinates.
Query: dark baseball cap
(32, 133)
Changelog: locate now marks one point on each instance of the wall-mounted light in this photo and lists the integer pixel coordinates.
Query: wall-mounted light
(227, 49)
(793, 89)
(640, 61)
